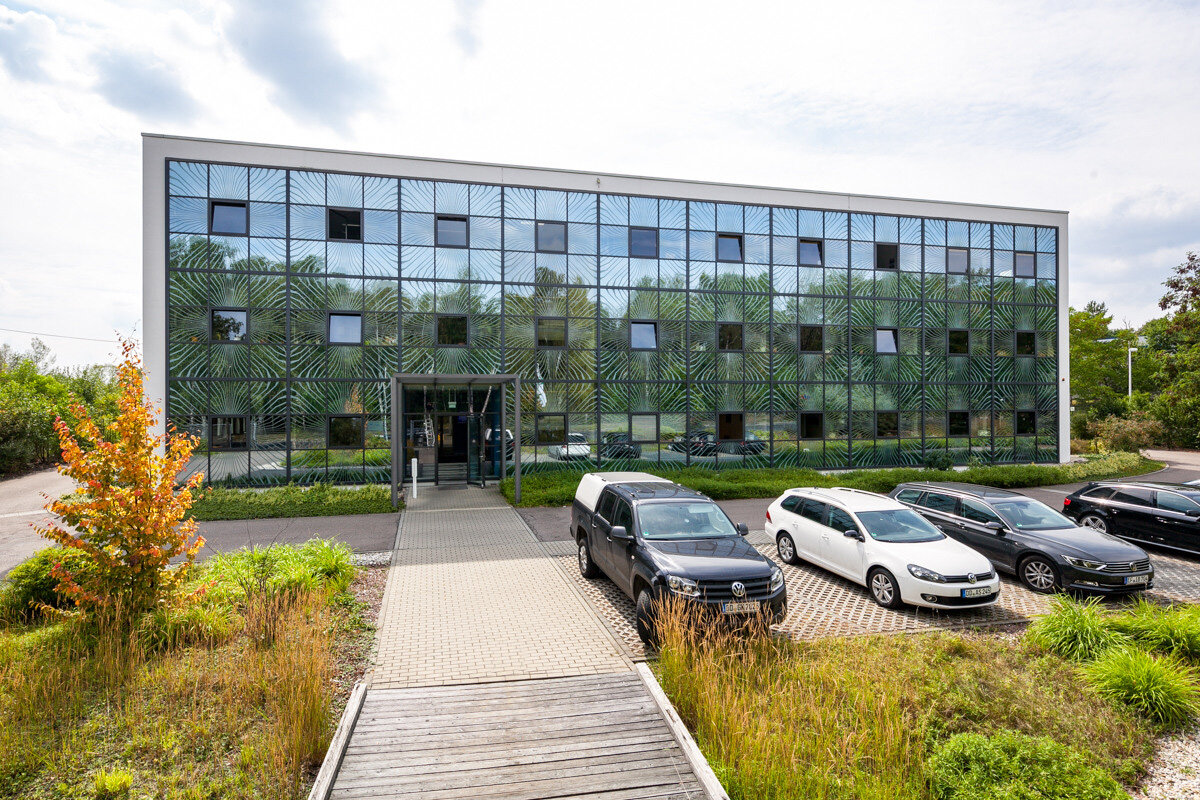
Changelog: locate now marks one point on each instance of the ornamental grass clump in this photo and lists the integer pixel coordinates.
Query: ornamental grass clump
(1075, 630)
(1159, 688)
(1173, 630)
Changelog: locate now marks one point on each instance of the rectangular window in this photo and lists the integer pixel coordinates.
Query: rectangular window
(958, 260)
(731, 427)
(551, 428)
(729, 337)
(452, 232)
(452, 330)
(812, 339)
(887, 424)
(958, 423)
(940, 502)
(345, 224)
(227, 433)
(643, 335)
(886, 340)
(551, 332)
(643, 242)
(1024, 265)
(959, 342)
(345, 328)
(887, 256)
(227, 218)
(552, 237)
(812, 425)
(811, 253)
(643, 427)
(729, 247)
(1026, 344)
(346, 432)
(228, 325)
(1026, 423)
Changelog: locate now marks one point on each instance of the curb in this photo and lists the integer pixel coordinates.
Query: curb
(337, 747)
(697, 761)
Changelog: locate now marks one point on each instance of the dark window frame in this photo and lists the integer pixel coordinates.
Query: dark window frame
(949, 417)
(633, 228)
(437, 330)
(820, 243)
(537, 235)
(800, 426)
(882, 247)
(362, 328)
(895, 435)
(741, 414)
(1017, 335)
(362, 421)
(537, 334)
(213, 203)
(245, 334)
(1032, 263)
(800, 338)
(245, 418)
(537, 423)
(657, 426)
(453, 218)
(741, 240)
(949, 345)
(330, 210)
(895, 338)
(651, 322)
(966, 269)
(1030, 416)
(741, 338)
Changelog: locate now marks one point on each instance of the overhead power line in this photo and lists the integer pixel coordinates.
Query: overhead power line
(59, 336)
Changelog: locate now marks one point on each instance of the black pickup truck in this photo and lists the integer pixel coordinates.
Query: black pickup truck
(655, 538)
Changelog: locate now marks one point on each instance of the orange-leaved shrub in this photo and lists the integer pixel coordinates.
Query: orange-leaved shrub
(126, 514)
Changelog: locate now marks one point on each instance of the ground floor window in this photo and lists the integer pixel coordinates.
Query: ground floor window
(812, 425)
(227, 433)
(731, 426)
(551, 428)
(346, 432)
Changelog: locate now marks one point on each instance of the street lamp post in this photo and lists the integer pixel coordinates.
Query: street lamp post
(1129, 362)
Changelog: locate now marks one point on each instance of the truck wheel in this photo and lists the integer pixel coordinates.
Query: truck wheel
(587, 567)
(645, 618)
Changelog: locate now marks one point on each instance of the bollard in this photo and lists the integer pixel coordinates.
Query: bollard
(414, 474)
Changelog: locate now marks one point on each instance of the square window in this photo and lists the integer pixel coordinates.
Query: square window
(886, 340)
(729, 247)
(643, 242)
(1024, 265)
(812, 339)
(887, 256)
(731, 427)
(1026, 343)
(451, 232)
(887, 424)
(643, 335)
(643, 427)
(345, 224)
(228, 325)
(812, 425)
(958, 260)
(552, 237)
(452, 331)
(551, 332)
(346, 433)
(729, 336)
(1026, 423)
(958, 423)
(959, 343)
(227, 218)
(345, 328)
(227, 433)
(811, 252)
(551, 428)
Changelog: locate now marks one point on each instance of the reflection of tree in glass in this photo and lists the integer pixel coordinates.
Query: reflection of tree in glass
(229, 326)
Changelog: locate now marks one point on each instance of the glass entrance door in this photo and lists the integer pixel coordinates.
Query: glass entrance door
(474, 450)
(452, 448)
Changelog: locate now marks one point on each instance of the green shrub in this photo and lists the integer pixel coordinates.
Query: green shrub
(1075, 630)
(30, 584)
(317, 564)
(938, 460)
(113, 785)
(1127, 434)
(1161, 689)
(168, 627)
(1014, 766)
(1173, 630)
(318, 500)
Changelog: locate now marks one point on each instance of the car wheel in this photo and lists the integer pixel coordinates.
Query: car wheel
(587, 567)
(1038, 574)
(787, 548)
(1095, 522)
(884, 589)
(645, 618)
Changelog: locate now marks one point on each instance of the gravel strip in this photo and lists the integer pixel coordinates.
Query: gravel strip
(1174, 773)
(379, 558)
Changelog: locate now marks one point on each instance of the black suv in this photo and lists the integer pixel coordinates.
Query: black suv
(655, 538)
(1161, 514)
(1022, 536)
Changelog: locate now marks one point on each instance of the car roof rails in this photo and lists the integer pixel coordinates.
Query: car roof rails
(859, 491)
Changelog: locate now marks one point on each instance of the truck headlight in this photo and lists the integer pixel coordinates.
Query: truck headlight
(925, 574)
(683, 586)
(776, 580)
(1084, 563)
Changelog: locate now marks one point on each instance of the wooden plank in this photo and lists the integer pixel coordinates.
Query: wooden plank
(327, 775)
(699, 764)
(506, 740)
(511, 688)
(424, 721)
(462, 753)
(596, 755)
(597, 768)
(548, 694)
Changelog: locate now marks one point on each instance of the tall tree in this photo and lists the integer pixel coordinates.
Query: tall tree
(1178, 404)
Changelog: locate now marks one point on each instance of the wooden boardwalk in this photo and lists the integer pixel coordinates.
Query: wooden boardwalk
(599, 737)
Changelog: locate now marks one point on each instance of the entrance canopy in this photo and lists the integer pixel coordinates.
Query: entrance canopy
(455, 428)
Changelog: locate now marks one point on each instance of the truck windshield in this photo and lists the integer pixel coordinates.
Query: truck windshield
(699, 520)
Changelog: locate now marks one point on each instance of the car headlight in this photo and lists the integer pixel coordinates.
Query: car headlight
(776, 579)
(925, 574)
(1084, 563)
(683, 586)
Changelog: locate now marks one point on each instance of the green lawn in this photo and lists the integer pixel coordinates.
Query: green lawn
(319, 500)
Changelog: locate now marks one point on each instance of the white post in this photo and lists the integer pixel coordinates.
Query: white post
(1132, 350)
(414, 474)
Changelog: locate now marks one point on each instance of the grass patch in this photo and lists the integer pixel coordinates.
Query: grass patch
(1077, 631)
(861, 717)
(197, 702)
(1159, 688)
(318, 500)
(557, 488)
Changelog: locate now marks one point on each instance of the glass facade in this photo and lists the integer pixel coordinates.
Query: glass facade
(645, 330)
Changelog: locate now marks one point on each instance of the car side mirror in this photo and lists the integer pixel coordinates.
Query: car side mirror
(995, 527)
(619, 532)
(857, 535)
(742, 529)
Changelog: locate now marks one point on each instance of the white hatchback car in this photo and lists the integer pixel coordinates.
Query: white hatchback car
(882, 544)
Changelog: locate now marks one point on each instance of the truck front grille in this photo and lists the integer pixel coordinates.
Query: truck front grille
(722, 591)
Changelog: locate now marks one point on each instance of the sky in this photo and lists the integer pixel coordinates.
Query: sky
(1089, 107)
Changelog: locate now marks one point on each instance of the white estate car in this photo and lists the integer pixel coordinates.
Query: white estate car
(882, 544)
(576, 447)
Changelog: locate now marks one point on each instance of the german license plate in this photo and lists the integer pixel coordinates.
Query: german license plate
(978, 591)
(740, 607)
(1137, 579)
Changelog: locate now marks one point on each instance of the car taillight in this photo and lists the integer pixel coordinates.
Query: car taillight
(1066, 502)
(768, 515)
